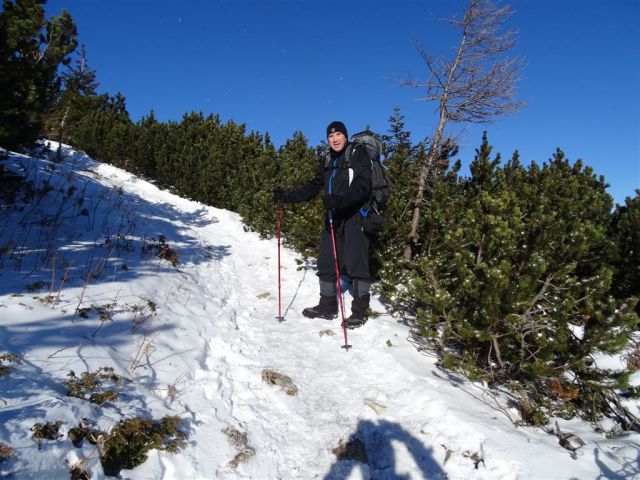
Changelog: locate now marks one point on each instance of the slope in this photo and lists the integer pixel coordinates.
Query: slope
(101, 269)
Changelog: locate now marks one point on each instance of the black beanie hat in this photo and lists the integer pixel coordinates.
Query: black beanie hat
(337, 127)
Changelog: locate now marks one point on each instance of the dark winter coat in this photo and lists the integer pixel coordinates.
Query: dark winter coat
(351, 187)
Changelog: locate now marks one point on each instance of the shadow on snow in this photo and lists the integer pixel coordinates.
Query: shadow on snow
(373, 448)
(630, 468)
(63, 218)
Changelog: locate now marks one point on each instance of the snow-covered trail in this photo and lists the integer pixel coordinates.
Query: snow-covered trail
(241, 338)
(414, 420)
(213, 334)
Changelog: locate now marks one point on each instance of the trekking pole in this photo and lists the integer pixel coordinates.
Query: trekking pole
(280, 318)
(346, 345)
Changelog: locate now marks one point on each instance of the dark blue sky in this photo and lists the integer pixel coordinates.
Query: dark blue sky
(283, 65)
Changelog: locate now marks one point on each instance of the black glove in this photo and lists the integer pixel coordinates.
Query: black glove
(331, 202)
(280, 195)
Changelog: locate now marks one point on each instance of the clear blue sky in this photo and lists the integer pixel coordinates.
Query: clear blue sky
(283, 65)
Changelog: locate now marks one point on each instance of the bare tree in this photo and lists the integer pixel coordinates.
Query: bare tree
(475, 85)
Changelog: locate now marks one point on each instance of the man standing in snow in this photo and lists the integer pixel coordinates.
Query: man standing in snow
(346, 185)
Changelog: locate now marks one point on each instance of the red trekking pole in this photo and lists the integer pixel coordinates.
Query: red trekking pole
(280, 318)
(346, 345)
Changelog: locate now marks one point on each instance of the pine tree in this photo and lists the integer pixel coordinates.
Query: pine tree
(105, 133)
(254, 184)
(401, 161)
(31, 50)
(302, 222)
(149, 141)
(76, 100)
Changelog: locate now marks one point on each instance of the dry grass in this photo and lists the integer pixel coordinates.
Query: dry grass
(145, 350)
(275, 378)
(239, 440)
(6, 452)
(354, 449)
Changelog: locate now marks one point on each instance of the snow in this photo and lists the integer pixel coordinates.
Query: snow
(200, 355)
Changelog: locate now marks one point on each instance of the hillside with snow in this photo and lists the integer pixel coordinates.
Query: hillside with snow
(101, 270)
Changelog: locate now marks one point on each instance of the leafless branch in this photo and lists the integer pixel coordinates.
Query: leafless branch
(43, 53)
(475, 85)
(538, 296)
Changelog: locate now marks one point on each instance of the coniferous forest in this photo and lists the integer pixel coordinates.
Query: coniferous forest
(522, 272)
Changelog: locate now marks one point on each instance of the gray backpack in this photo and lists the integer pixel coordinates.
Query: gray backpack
(380, 185)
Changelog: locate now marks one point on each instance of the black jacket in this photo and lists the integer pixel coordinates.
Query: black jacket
(349, 182)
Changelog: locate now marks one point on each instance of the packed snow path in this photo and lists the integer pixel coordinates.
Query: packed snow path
(212, 335)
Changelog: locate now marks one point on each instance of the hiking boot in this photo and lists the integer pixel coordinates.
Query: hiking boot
(327, 308)
(359, 312)
(355, 320)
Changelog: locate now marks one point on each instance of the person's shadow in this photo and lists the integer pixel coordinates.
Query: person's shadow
(371, 449)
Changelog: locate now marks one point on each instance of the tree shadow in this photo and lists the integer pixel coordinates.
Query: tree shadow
(629, 469)
(62, 230)
(371, 449)
(67, 341)
(63, 222)
(454, 378)
(62, 331)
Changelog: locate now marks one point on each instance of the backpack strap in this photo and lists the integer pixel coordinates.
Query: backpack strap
(349, 153)
(347, 157)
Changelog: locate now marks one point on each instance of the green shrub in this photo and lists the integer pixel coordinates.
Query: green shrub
(514, 281)
(85, 386)
(9, 358)
(128, 443)
(82, 432)
(48, 431)
(625, 257)
(78, 472)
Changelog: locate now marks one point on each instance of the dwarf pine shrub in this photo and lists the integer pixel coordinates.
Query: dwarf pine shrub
(85, 387)
(129, 441)
(625, 257)
(84, 431)
(7, 358)
(79, 472)
(513, 282)
(47, 431)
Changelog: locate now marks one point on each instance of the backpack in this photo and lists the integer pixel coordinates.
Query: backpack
(380, 184)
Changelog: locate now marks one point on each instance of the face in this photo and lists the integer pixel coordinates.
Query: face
(337, 141)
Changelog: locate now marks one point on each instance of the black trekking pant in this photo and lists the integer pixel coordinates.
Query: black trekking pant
(352, 245)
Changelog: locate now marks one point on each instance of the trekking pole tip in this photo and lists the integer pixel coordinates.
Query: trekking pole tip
(346, 347)
(280, 319)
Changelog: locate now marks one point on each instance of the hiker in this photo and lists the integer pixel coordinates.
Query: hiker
(345, 187)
